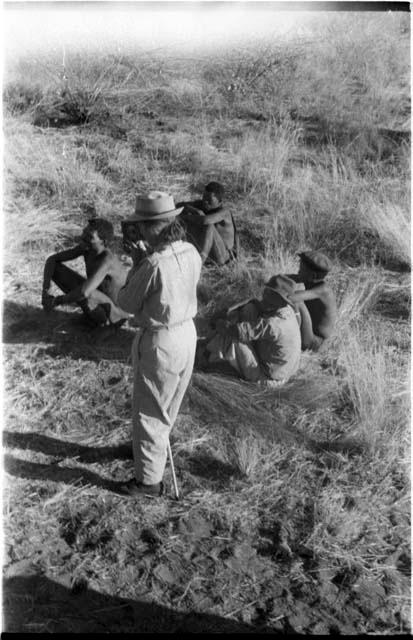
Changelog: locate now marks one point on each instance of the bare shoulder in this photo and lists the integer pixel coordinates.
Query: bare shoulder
(321, 289)
(327, 291)
(227, 215)
(326, 294)
(109, 257)
(108, 260)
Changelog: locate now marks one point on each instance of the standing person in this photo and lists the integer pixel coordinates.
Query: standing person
(210, 226)
(316, 302)
(160, 291)
(105, 275)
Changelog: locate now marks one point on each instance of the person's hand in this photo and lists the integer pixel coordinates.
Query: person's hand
(137, 250)
(193, 211)
(48, 302)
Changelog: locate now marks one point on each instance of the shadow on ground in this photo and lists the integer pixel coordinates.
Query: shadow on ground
(54, 473)
(36, 604)
(63, 448)
(208, 466)
(65, 333)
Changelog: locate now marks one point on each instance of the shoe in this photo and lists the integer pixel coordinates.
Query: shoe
(134, 488)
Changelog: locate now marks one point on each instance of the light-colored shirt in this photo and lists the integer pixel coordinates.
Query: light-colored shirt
(161, 290)
(276, 340)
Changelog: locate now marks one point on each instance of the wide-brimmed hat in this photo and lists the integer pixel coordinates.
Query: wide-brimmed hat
(156, 205)
(316, 260)
(283, 285)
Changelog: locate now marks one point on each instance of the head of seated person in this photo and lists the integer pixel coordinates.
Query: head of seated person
(97, 235)
(212, 197)
(276, 293)
(314, 266)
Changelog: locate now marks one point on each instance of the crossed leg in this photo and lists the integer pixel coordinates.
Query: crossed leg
(97, 308)
(208, 242)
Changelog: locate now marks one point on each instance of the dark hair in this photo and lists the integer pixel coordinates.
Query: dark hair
(104, 229)
(316, 274)
(89, 209)
(171, 233)
(217, 188)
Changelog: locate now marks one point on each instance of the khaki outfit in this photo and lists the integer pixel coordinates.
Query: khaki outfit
(161, 293)
(267, 347)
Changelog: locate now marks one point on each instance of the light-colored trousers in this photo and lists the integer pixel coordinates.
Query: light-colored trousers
(162, 363)
(241, 356)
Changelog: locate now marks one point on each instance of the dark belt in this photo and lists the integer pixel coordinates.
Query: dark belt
(155, 329)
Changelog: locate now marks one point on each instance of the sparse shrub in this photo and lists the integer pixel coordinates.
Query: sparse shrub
(245, 452)
(21, 97)
(298, 143)
(353, 70)
(252, 78)
(391, 223)
(35, 161)
(34, 227)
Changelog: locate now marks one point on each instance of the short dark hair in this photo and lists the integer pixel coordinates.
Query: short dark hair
(217, 188)
(104, 229)
(318, 274)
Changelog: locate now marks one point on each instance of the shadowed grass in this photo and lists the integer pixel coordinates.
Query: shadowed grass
(294, 500)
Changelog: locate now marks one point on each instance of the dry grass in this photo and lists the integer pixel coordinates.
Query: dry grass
(293, 495)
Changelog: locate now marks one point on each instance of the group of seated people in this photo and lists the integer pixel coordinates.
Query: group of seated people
(261, 339)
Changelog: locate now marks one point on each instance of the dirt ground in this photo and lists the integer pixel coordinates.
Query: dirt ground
(187, 570)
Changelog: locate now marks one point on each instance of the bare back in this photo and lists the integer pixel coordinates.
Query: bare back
(322, 309)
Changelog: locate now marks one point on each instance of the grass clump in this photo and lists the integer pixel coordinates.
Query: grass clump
(294, 515)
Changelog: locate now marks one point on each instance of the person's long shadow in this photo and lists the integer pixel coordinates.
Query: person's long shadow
(64, 333)
(54, 473)
(34, 603)
(63, 448)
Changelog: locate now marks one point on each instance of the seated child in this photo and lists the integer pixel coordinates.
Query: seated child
(209, 226)
(316, 302)
(260, 339)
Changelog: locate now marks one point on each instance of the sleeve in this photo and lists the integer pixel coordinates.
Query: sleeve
(238, 305)
(140, 282)
(248, 331)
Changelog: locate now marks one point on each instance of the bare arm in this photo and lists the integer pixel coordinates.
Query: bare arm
(191, 214)
(308, 339)
(90, 285)
(62, 256)
(211, 218)
(295, 277)
(309, 294)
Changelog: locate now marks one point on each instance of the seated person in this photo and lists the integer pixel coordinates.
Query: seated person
(261, 338)
(105, 276)
(209, 226)
(316, 302)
